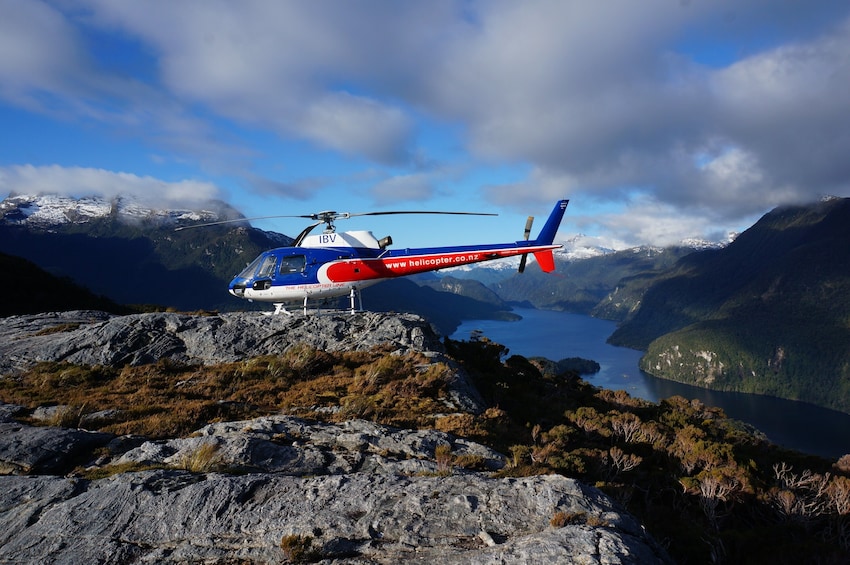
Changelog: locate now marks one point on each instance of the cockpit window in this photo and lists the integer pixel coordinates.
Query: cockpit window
(248, 271)
(267, 268)
(293, 264)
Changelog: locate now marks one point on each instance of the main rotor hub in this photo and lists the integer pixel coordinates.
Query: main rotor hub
(328, 217)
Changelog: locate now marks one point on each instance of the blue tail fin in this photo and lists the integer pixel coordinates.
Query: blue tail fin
(547, 234)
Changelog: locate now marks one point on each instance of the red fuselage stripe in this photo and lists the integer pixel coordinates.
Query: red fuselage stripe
(387, 267)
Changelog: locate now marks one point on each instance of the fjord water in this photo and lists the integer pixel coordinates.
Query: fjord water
(557, 335)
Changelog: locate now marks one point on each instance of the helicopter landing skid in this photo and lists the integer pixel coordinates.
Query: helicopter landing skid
(354, 296)
(279, 308)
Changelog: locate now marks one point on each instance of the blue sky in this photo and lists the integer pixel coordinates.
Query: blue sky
(659, 119)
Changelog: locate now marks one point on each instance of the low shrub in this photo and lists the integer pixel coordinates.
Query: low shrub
(299, 549)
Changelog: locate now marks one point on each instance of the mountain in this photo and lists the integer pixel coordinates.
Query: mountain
(52, 211)
(43, 292)
(128, 251)
(584, 285)
(445, 309)
(487, 273)
(576, 248)
(121, 249)
(466, 287)
(768, 314)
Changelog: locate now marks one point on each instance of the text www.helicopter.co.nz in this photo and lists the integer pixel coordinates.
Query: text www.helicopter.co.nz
(434, 261)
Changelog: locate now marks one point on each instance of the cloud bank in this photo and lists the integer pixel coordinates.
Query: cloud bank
(686, 115)
(80, 181)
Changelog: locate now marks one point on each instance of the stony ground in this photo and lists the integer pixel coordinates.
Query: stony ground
(277, 488)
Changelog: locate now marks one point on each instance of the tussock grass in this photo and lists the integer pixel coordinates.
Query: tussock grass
(65, 417)
(206, 458)
(299, 549)
(59, 328)
(168, 399)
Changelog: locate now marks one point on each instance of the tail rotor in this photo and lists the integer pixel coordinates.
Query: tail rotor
(526, 235)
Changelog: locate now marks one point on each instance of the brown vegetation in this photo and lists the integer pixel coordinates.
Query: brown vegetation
(299, 549)
(166, 399)
(705, 487)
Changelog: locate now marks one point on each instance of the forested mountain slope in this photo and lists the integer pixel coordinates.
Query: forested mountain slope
(27, 289)
(769, 314)
(584, 285)
(130, 253)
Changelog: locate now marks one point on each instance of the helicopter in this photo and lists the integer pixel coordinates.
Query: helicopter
(332, 264)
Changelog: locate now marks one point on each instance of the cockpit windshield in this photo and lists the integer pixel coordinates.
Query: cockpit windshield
(248, 271)
(264, 266)
(267, 267)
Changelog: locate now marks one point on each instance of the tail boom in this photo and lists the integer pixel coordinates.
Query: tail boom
(401, 263)
(399, 266)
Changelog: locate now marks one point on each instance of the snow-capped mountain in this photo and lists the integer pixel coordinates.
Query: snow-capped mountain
(698, 244)
(576, 248)
(45, 210)
(81, 238)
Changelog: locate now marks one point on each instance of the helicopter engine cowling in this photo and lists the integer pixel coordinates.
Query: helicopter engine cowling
(359, 239)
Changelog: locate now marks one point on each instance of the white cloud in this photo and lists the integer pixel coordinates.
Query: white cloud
(357, 125)
(415, 187)
(645, 220)
(80, 181)
(298, 190)
(788, 106)
(601, 101)
(49, 66)
(294, 68)
(40, 53)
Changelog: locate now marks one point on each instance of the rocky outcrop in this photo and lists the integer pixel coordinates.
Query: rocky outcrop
(89, 337)
(177, 517)
(27, 449)
(284, 444)
(277, 488)
(98, 338)
(350, 493)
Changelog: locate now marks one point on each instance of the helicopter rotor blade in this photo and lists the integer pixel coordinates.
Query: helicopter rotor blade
(328, 217)
(349, 215)
(307, 216)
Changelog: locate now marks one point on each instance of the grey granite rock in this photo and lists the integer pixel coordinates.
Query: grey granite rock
(178, 517)
(9, 411)
(97, 338)
(362, 493)
(285, 444)
(27, 449)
